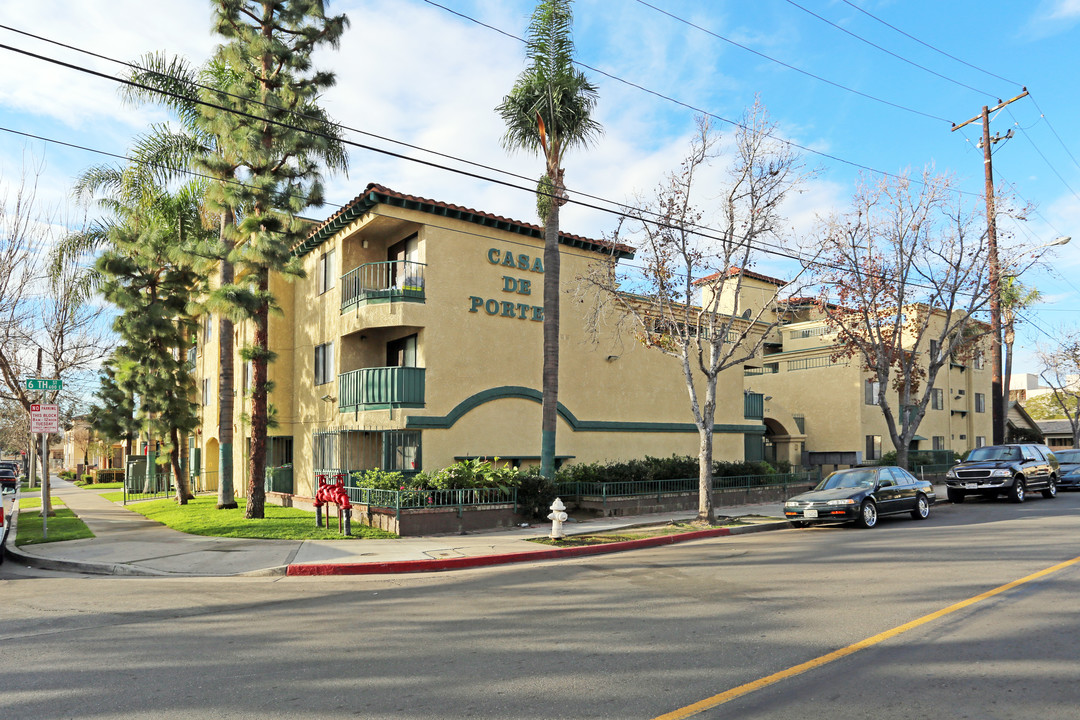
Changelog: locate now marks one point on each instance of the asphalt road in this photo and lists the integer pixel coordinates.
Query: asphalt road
(646, 634)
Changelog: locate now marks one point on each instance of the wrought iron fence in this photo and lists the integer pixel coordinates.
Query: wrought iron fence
(399, 500)
(149, 485)
(645, 488)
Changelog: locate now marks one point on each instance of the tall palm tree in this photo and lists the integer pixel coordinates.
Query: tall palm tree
(549, 110)
(1014, 297)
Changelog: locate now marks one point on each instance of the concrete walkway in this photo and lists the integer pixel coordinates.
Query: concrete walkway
(126, 543)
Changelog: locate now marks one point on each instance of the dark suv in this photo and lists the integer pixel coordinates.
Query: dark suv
(1010, 470)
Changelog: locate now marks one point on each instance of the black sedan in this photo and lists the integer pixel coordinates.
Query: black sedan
(1070, 468)
(8, 481)
(862, 495)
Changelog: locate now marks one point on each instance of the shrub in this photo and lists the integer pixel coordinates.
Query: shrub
(66, 474)
(105, 475)
(535, 494)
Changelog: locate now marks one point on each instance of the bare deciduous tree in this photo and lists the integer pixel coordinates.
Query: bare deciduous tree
(1061, 373)
(46, 323)
(690, 301)
(902, 279)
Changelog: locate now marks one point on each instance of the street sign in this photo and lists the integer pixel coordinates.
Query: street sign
(44, 418)
(44, 384)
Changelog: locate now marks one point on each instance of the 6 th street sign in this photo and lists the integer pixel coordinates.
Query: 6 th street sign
(47, 384)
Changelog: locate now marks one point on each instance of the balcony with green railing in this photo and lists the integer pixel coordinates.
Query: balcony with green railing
(381, 388)
(383, 282)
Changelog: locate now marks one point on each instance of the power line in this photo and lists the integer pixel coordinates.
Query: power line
(360, 145)
(889, 52)
(760, 246)
(789, 66)
(1043, 156)
(926, 44)
(700, 111)
(1049, 125)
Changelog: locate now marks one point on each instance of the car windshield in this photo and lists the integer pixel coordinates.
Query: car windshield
(1067, 456)
(992, 452)
(849, 479)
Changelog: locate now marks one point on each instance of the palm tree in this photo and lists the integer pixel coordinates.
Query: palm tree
(549, 110)
(1014, 297)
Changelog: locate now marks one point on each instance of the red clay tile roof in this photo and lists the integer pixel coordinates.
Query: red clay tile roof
(375, 194)
(746, 273)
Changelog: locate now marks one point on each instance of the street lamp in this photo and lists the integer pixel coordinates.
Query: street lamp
(999, 390)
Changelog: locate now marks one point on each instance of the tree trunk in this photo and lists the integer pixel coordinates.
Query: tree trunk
(705, 478)
(226, 388)
(183, 488)
(549, 417)
(256, 496)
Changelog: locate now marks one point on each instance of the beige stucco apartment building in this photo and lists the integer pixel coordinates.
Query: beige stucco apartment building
(415, 340)
(823, 412)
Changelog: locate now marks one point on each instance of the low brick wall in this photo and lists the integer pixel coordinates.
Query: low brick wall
(415, 521)
(667, 502)
(437, 521)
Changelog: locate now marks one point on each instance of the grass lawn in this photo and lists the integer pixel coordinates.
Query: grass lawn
(63, 526)
(101, 486)
(201, 517)
(32, 502)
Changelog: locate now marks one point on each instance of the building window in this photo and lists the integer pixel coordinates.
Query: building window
(324, 363)
(980, 440)
(870, 392)
(939, 442)
(980, 402)
(325, 451)
(873, 447)
(326, 272)
(208, 328)
(937, 399)
(402, 448)
(935, 350)
(206, 391)
(977, 362)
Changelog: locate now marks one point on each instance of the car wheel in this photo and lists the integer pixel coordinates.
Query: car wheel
(798, 523)
(867, 515)
(922, 508)
(1051, 490)
(1016, 492)
(955, 496)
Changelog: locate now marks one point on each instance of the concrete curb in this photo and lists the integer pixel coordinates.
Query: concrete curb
(441, 564)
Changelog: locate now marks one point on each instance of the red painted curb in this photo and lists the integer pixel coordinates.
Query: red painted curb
(434, 565)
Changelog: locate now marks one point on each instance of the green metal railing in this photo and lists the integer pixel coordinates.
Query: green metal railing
(279, 479)
(646, 488)
(461, 499)
(389, 281)
(380, 388)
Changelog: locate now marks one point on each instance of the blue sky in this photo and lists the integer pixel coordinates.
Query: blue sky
(412, 71)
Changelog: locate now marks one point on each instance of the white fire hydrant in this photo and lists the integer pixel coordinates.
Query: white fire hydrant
(557, 516)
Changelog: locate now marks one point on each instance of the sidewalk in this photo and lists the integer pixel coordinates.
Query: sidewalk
(127, 543)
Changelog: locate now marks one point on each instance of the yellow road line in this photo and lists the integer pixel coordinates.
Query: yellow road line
(737, 692)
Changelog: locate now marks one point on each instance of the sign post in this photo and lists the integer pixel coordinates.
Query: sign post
(44, 419)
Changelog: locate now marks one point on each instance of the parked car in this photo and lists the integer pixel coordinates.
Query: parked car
(862, 495)
(1069, 468)
(1011, 470)
(9, 482)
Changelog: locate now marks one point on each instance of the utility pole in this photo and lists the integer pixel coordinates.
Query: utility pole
(998, 402)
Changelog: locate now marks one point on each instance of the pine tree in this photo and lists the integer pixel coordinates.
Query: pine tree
(275, 131)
